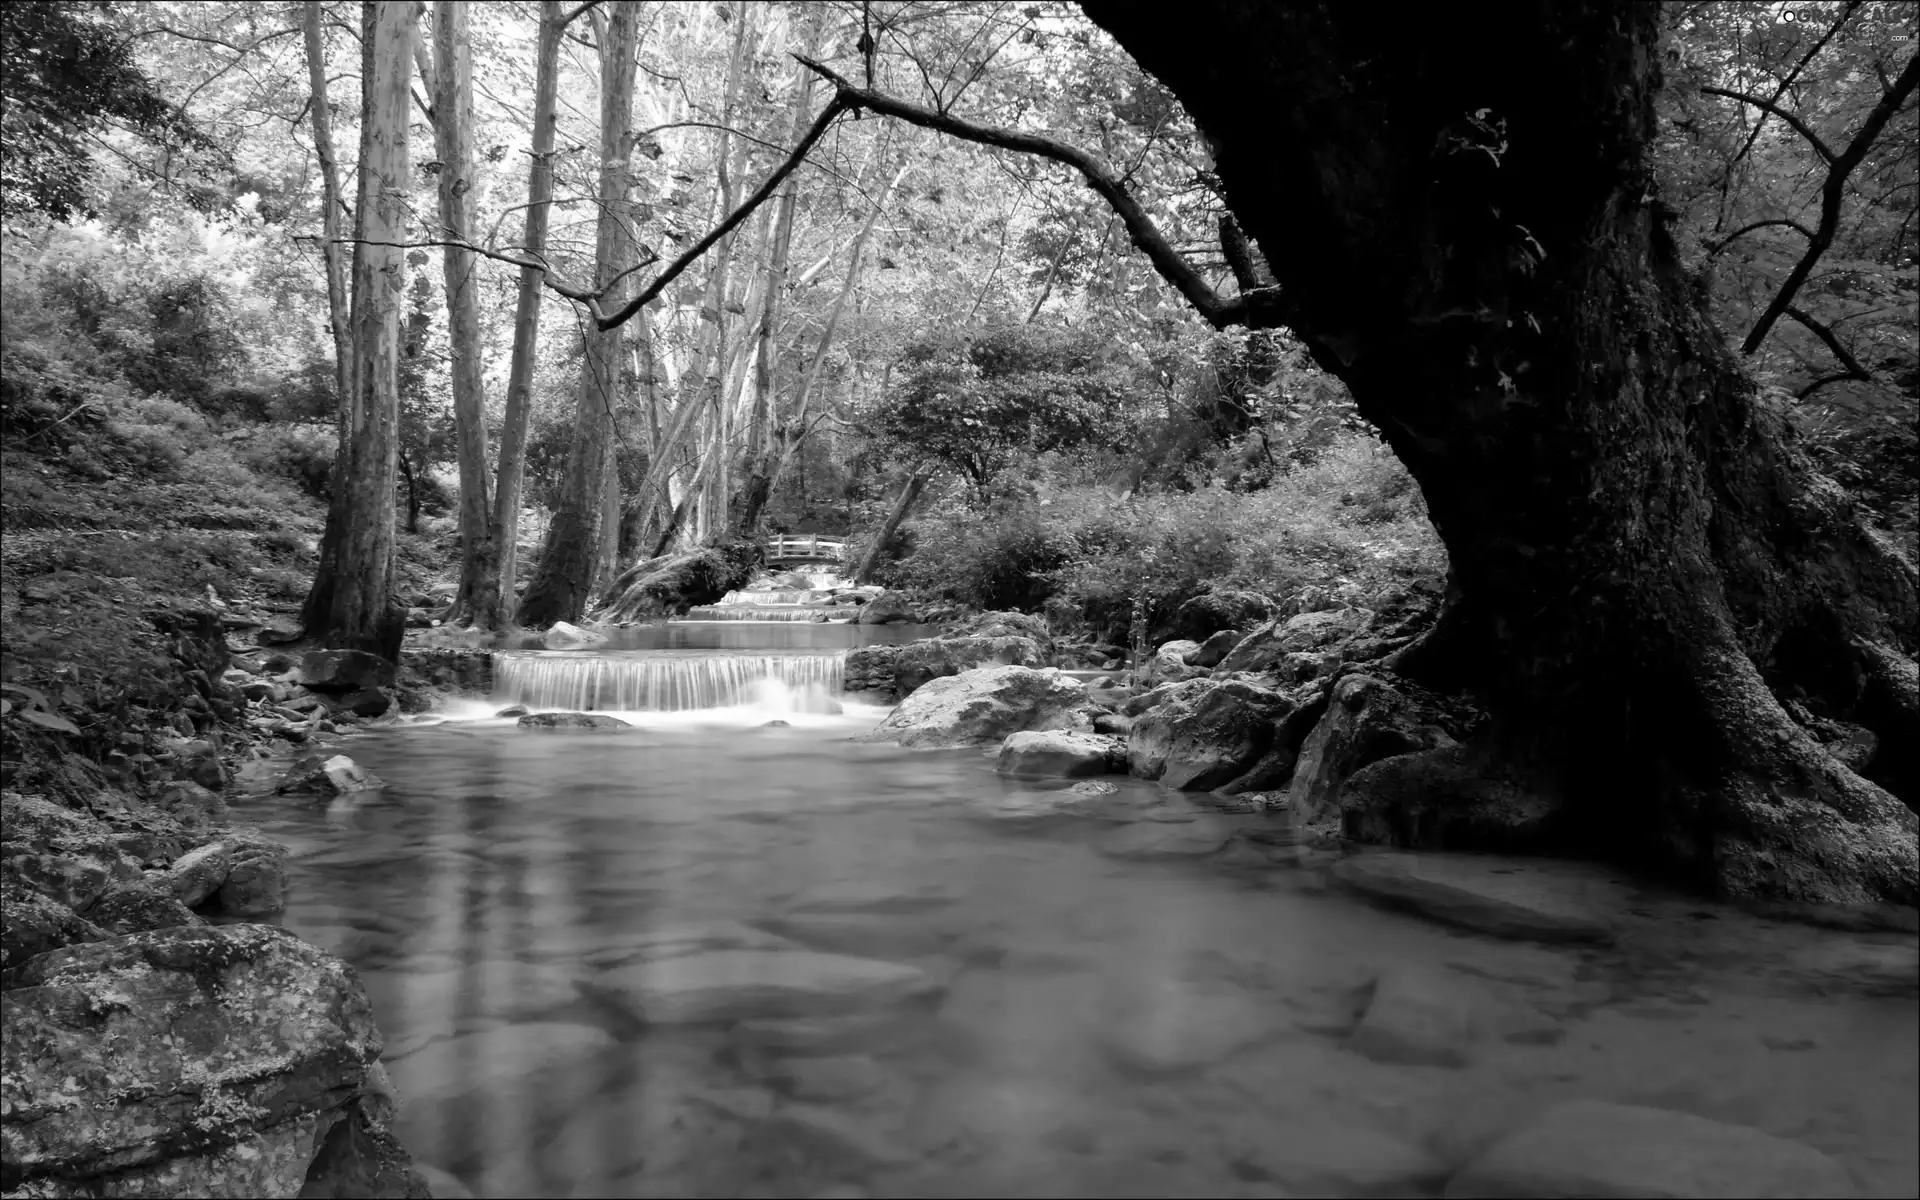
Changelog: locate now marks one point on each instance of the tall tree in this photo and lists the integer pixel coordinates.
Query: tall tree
(1464, 227)
(351, 603)
(452, 90)
(333, 251)
(570, 559)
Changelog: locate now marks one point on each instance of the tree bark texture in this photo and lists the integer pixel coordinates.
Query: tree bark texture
(493, 599)
(351, 604)
(909, 493)
(453, 141)
(333, 251)
(1460, 216)
(570, 560)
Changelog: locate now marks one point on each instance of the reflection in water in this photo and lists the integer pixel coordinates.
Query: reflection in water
(586, 952)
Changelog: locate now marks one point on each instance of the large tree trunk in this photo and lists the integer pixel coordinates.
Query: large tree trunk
(570, 560)
(1461, 217)
(333, 251)
(493, 599)
(351, 605)
(909, 493)
(452, 88)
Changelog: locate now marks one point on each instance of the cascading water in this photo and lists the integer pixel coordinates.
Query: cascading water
(658, 681)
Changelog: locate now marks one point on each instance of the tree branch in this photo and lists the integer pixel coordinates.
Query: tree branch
(1800, 127)
(1260, 308)
(1754, 135)
(1723, 243)
(1831, 194)
(828, 115)
(571, 292)
(1832, 341)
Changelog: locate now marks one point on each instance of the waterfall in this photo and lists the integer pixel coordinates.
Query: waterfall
(765, 612)
(666, 681)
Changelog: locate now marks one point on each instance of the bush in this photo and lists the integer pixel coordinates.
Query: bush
(298, 454)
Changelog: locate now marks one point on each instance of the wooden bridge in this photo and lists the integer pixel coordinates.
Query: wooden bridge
(787, 548)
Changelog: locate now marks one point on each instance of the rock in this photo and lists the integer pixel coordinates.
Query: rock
(1211, 613)
(1592, 1148)
(360, 1157)
(443, 1184)
(280, 630)
(137, 907)
(1169, 663)
(513, 710)
(572, 720)
(67, 856)
(510, 1060)
(888, 608)
(1056, 752)
(1449, 799)
(1512, 898)
(1216, 648)
(235, 1040)
(867, 672)
(199, 762)
(329, 773)
(1322, 1156)
(562, 635)
(722, 986)
(1370, 717)
(343, 671)
(1112, 724)
(871, 1032)
(196, 875)
(1005, 624)
(933, 658)
(985, 705)
(1174, 1028)
(1420, 1016)
(256, 883)
(1162, 839)
(1266, 647)
(365, 702)
(192, 805)
(1205, 735)
(32, 924)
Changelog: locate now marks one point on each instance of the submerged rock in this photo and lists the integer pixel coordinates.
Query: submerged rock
(1173, 1028)
(1166, 839)
(1420, 1016)
(1514, 898)
(736, 985)
(1057, 752)
(330, 773)
(572, 720)
(985, 705)
(190, 1061)
(1591, 1148)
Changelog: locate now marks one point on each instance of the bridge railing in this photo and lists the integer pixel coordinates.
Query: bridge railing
(806, 545)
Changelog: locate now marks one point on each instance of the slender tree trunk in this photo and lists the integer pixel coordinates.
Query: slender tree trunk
(452, 90)
(351, 604)
(570, 560)
(1462, 221)
(332, 251)
(916, 483)
(493, 598)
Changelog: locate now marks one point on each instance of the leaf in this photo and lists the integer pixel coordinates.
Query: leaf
(50, 721)
(6, 706)
(35, 697)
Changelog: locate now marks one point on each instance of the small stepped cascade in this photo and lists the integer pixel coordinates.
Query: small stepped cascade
(765, 612)
(666, 681)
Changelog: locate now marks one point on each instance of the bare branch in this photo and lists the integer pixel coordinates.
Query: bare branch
(1754, 134)
(1723, 243)
(1260, 308)
(1833, 343)
(579, 294)
(1800, 127)
(1832, 192)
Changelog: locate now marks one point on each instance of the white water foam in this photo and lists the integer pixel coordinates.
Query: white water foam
(669, 681)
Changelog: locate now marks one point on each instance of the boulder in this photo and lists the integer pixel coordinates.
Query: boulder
(1205, 735)
(572, 720)
(279, 630)
(562, 635)
(137, 907)
(1211, 613)
(1592, 1148)
(888, 608)
(366, 702)
(1538, 900)
(1169, 663)
(193, 806)
(256, 883)
(329, 773)
(226, 1051)
(196, 875)
(1450, 799)
(69, 857)
(1216, 648)
(32, 924)
(199, 762)
(984, 705)
(1371, 717)
(1268, 646)
(1057, 752)
(934, 658)
(512, 710)
(343, 671)
(1113, 724)
(723, 986)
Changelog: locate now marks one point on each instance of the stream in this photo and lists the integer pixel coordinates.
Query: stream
(1061, 1017)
